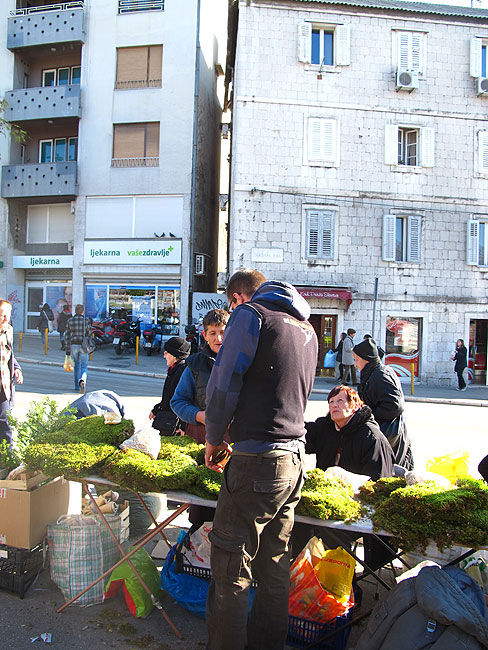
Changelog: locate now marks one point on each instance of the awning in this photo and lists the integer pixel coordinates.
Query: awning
(325, 292)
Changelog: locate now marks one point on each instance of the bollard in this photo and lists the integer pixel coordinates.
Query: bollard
(46, 332)
(412, 373)
(21, 334)
(137, 350)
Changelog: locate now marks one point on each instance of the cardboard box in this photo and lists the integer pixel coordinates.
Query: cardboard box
(123, 515)
(26, 481)
(25, 515)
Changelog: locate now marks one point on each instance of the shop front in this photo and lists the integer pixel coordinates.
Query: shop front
(478, 339)
(403, 342)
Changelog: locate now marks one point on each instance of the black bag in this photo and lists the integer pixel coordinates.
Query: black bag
(166, 423)
(88, 343)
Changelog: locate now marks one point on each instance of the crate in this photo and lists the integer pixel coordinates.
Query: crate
(25, 481)
(19, 567)
(302, 633)
(196, 571)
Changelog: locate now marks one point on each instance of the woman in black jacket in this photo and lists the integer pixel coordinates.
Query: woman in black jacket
(176, 350)
(460, 356)
(46, 320)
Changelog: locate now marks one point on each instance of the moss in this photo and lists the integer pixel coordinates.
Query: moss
(71, 460)
(374, 492)
(171, 445)
(206, 483)
(91, 430)
(327, 498)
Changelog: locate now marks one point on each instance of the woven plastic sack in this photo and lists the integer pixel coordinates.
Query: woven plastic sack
(452, 466)
(80, 550)
(136, 597)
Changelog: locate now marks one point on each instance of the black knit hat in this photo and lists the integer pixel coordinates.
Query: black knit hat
(178, 347)
(367, 350)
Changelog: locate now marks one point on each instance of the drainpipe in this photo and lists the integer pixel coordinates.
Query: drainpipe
(191, 263)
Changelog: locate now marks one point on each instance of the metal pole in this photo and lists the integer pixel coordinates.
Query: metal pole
(412, 374)
(374, 306)
(46, 332)
(21, 334)
(137, 350)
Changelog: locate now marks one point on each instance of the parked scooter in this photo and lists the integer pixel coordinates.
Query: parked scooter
(103, 332)
(152, 338)
(126, 334)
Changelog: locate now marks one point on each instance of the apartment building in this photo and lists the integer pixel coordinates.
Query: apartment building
(112, 199)
(360, 170)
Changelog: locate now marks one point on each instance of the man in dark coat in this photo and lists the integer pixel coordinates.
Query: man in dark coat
(176, 351)
(63, 319)
(380, 389)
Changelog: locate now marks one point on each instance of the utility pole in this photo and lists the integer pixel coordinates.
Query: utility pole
(375, 300)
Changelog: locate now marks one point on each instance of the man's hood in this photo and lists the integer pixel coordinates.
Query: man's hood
(284, 296)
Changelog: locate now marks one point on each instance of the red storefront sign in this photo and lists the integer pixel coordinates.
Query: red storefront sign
(323, 292)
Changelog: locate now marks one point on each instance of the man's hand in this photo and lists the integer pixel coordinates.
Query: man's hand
(200, 417)
(151, 415)
(18, 376)
(212, 459)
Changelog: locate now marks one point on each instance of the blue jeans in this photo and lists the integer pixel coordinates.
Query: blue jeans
(250, 539)
(80, 360)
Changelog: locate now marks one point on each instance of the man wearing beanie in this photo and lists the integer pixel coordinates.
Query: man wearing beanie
(380, 389)
(176, 350)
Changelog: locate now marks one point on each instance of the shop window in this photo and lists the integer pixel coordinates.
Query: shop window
(402, 344)
(136, 145)
(139, 67)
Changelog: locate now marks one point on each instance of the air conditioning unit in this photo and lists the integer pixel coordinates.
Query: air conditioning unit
(482, 85)
(199, 264)
(71, 246)
(407, 79)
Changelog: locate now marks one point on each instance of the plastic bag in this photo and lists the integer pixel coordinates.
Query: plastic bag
(136, 597)
(148, 441)
(199, 552)
(68, 364)
(452, 466)
(329, 359)
(335, 571)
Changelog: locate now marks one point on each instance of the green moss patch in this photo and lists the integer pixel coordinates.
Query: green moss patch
(326, 497)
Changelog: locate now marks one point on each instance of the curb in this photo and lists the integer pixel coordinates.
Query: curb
(114, 371)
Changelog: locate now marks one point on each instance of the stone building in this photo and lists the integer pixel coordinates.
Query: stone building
(113, 198)
(360, 169)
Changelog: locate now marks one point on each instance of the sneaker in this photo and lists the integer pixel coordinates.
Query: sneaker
(458, 389)
(464, 388)
(81, 384)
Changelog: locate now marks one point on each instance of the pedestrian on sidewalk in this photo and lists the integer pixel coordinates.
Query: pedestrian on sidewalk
(63, 319)
(460, 356)
(46, 321)
(348, 360)
(339, 368)
(76, 329)
(10, 371)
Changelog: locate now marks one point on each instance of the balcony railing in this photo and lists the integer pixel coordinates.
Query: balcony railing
(129, 6)
(146, 83)
(135, 162)
(61, 6)
(43, 103)
(41, 179)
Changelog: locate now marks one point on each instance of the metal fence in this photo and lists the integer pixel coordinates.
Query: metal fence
(135, 162)
(128, 6)
(61, 6)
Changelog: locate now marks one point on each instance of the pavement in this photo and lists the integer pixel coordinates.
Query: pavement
(105, 359)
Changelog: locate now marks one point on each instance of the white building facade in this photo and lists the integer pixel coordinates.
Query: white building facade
(112, 200)
(360, 170)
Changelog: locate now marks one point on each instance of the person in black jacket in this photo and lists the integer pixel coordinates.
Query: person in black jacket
(380, 389)
(46, 320)
(460, 356)
(176, 350)
(63, 319)
(349, 437)
(338, 353)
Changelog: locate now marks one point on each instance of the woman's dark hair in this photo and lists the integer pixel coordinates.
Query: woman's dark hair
(351, 394)
(462, 341)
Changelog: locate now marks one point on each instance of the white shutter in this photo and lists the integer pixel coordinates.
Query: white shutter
(312, 234)
(322, 140)
(416, 52)
(404, 50)
(391, 144)
(342, 35)
(329, 140)
(389, 237)
(314, 138)
(472, 242)
(475, 57)
(414, 238)
(483, 150)
(305, 42)
(327, 235)
(427, 147)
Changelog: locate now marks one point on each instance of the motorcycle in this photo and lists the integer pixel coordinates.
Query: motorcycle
(152, 339)
(103, 332)
(126, 334)
(192, 337)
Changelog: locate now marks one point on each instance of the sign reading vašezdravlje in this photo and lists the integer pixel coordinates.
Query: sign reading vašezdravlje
(133, 252)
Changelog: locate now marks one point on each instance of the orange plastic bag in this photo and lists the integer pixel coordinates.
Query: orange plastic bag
(68, 364)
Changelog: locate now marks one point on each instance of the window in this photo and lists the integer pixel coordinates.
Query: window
(477, 63)
(409, 146)
(136, 145)
(58, 150)
(409, 51)
(402, 238)
(139, 67)
(61, 76)
(319, 235)
(477, 243)
(321, 142)
(128, 6)
(483, 151)
(49, 224)
(324, 45)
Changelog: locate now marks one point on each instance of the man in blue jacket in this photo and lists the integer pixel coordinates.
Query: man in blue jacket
(259, 385)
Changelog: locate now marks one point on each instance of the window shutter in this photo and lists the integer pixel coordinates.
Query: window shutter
(427, 147)
(329, 140)
(404, 49)
(132, 65)
(305, 42)
(129, 140)
(475, 57)
(472, 244)
(312, 234)
(391, 144)
(152, 140)
(343, 45)
(322, 140)
(314, 139)
(327, 235)
(414, 238)
(483, 150)
(416, 56)
(389, 237)
(154, 66)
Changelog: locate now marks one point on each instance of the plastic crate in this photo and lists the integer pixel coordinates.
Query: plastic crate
(196, 571)
(302, 632)
(19, 567)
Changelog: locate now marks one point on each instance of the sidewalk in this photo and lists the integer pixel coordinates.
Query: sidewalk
(105, 359)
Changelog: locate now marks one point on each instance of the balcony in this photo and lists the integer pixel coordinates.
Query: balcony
(46, 25)
(43, 103)
(42, 179)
